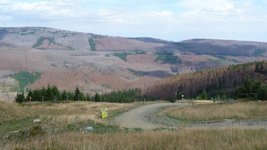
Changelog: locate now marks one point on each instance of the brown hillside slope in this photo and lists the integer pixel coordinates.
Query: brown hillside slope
(191, 84)
(99, 63)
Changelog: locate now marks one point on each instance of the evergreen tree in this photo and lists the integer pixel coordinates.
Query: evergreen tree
(78, 95)
(55, 93)
(48, 93)
(262, 92)
(29, 96)
(43, 94)
(203, 95)
(20, 97)
(36, 95)
(97, 98)
(64, 95)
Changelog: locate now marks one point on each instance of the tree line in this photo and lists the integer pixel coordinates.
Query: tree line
(52, 93)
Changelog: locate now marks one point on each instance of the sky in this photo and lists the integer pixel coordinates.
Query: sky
(173, 20)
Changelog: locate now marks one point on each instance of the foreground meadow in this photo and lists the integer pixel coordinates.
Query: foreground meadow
(76, 125)
(190, 139)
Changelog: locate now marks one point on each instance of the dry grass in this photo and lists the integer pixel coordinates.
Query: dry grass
(10, 111)
(67, 113)
(230, 139)
(204, 112)
(58, 111)
(53, 116)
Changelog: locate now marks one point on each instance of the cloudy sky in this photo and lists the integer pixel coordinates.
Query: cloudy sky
(166, 19)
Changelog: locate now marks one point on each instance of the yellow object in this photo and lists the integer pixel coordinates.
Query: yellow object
(104, 113)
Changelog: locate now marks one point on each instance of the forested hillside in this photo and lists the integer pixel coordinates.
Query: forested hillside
(214, 82)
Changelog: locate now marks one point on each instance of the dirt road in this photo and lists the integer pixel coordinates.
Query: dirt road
(147, 117)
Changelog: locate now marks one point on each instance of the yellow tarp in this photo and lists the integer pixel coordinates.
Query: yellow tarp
(104, 113)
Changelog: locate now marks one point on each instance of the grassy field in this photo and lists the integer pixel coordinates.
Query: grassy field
(58, 111)
(18, 120)
(230, 139)
(63, 126)
(207, 112)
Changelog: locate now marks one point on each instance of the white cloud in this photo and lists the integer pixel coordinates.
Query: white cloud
(45, 8)
(215, 11)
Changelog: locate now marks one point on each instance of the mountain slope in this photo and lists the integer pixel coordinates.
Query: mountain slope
(53, 39)
(223, 47)
(98, 63)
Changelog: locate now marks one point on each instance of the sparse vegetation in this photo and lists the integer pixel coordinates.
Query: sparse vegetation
(168, 57)
(92, 43)
(123, 55)
(258, 52)
(40, 41)
(25, 78)
(160, 74)
(27, 33)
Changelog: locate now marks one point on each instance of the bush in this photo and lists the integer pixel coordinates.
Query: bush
(202, 96)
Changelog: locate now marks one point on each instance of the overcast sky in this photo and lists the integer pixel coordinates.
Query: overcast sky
(166, 19)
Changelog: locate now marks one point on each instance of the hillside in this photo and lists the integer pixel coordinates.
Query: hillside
(223, 47)
(221, 81)
(53, 39)
(98, 63)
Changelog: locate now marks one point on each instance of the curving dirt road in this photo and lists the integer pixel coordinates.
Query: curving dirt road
(147, 117)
